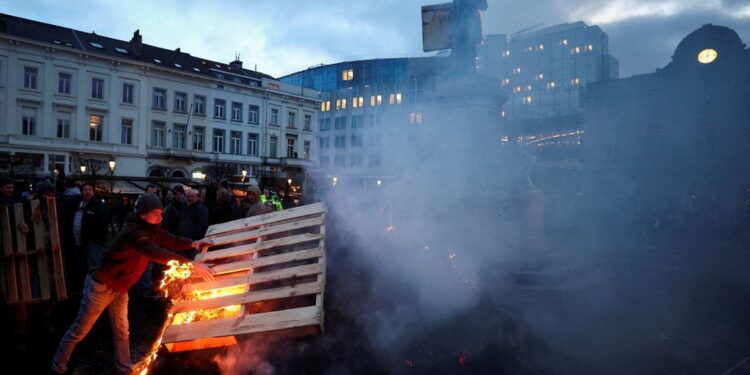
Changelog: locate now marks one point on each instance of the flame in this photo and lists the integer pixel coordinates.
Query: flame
(171, 284)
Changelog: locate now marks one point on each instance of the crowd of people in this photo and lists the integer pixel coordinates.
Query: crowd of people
(112, 244)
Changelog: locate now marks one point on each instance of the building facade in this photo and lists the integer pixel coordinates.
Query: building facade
(366, 109)
(70, 99)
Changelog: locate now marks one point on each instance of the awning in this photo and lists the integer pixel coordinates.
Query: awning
(125, 187)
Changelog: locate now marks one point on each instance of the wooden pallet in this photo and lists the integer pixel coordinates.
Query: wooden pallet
(276, 265)
(25, 271)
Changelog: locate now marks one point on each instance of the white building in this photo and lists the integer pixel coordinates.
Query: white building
(70, 98)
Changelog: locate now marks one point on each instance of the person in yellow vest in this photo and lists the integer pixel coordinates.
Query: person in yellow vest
(276, 203)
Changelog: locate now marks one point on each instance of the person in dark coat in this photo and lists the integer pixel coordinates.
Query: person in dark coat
(173, 211)
(89, 230)
(121, 266)
(223, 211)
(194, 219)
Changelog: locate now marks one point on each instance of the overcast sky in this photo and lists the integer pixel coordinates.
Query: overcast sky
(284, 36)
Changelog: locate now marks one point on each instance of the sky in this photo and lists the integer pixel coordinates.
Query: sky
(285, 36)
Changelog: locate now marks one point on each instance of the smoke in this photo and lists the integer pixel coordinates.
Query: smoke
(247, 357)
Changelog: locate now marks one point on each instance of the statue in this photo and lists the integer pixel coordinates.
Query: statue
(466, 33)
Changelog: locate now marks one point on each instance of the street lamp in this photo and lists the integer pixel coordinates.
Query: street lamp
(83, 169)
(288, 181)
(244, 174)
(379, 182)
(112, 164)
(198, 175)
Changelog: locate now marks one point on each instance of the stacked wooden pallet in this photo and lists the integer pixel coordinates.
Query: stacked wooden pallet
(270, 278)
(27, 257)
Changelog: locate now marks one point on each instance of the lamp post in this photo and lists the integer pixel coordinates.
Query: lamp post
(111, 165)
(244, 174)
(83, 169)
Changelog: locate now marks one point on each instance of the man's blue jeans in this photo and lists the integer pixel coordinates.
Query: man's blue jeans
(96, 298)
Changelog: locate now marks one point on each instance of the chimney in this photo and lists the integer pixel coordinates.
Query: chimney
(236, 64)
(136, 44)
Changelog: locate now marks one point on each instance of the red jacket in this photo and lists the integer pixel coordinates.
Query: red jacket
(125, 260)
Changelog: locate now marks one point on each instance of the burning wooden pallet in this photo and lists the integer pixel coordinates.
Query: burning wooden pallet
(26, 257)
(270, 278)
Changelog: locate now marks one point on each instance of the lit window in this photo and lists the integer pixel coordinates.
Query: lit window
(575, 81)
(376, 100)
(526, 100)
(121, 50)
(506, 53)
(564, 42)
(357, 101)
(347, 75)
(395, 98)
(415, 118)
(517, 70)
(505, 82)
(528, 88)
(551, 85)
(540, 76)
(530, 48)
(96, 45)
(541, 47)
(590, 47)
(517, 89)
(502, 113)
(328, 105)
(95, 128)
(575, 50)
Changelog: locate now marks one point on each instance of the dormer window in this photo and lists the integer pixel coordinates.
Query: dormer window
(96, 45)
(197, 70)
(121, 50)
(178, 66)
(157, 61)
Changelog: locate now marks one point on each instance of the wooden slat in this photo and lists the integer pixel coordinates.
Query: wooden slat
(322, 278)
(223, 239)
(264, 322)
(252, 248)
(40, 243)
(256, 221)
(9, 263)
(57, 256)
(265, 261)
(255, 296)
(23, 263)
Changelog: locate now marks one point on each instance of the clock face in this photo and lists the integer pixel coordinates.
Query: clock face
(707, 56)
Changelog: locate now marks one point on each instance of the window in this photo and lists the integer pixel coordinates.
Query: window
(341, 103)
(325, 142)
(219, 140)
(324, 161)
(95, 127)
(179, 137)
(575, 50)
(235, 143)
(126, 131)
(539, 76)
(157, 133)
(274, 118)
(290, 141)
(339, 141)
(63, 83)
(356, 140)
(199, 105)
(199, 133)
(236, 111)
(306, 150)
(395, 98)
(575, 81)
(415, 117)
(291, 120)
(376, 100)
(526, 100)
(160, 96)
(564, 42)
(325, 124)
(374, 161)
(29, 77)
(505, 82)
(506, 53)
(517, 70)
(127, 93)
(180, 100)
(358, 101)
(307, 122)
(28, 121)
(339, 161)
(347, 75)
(358, 121)
(355, 161)
(253, 112)
(97, 88)
(252, 144)
(63, 124)
(551, 85)
(325, 106)
(272, 145)
(219, 108)
(340, 122)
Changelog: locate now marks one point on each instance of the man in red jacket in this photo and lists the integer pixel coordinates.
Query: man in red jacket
(121, 266)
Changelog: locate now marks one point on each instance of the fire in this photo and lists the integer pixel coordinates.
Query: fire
(171, 284)
(230, 311)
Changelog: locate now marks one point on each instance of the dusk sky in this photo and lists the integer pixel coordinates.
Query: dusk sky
(282, 37)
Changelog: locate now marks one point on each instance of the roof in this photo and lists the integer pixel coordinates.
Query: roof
(102, 45)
